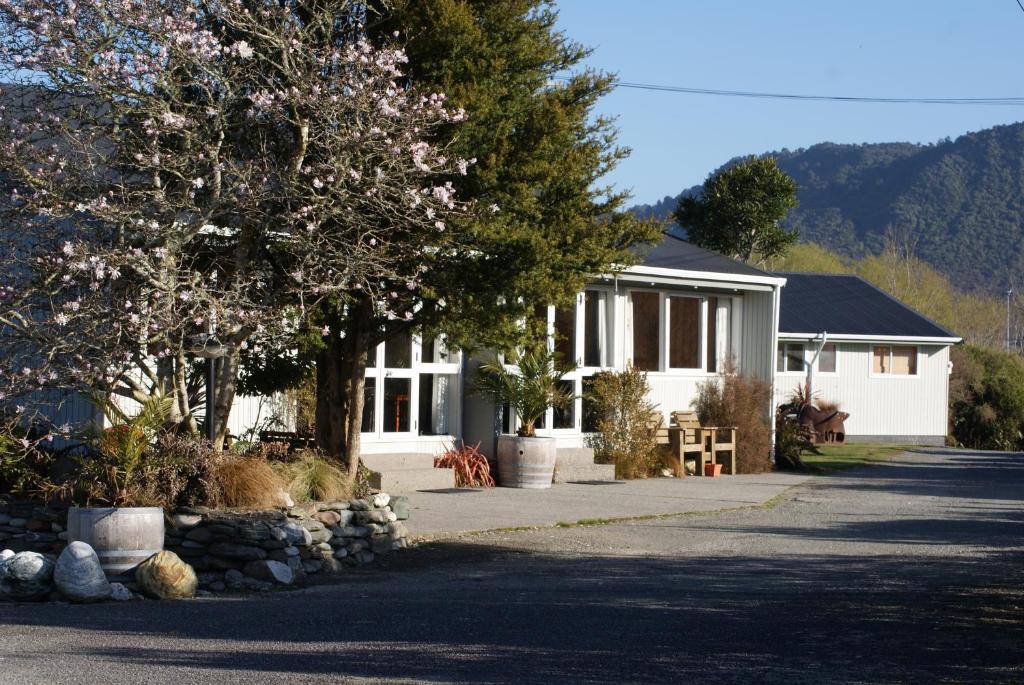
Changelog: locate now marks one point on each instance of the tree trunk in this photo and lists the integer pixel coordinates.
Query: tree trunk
(331, 397)
(341, 383)
(224, 395)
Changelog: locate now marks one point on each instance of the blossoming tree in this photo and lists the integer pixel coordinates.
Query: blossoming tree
(170, 168)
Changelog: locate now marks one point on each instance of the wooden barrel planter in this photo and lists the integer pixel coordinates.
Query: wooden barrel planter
(526, 462)
(123, 537)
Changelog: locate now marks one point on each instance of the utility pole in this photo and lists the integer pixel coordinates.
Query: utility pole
(1009, 291)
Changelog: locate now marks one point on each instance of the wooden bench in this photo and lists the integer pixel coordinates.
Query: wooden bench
(293, 440)
(706, 443)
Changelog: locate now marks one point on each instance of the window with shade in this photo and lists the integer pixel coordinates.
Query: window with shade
(646, 330)
(684, 334)
(790, 358)
(680, 332)
(894, 360)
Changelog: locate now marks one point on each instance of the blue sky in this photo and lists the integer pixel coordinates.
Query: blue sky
(902, 48)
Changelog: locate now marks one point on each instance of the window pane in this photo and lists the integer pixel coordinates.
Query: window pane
(684, 333)
(780, 358)
(827, 359)
(566, 417)
(506, 419)
(437, 399)
(880, 360)
(712, 351)
(396, 404)
(904, 360)
(369, 406)
(646, 329)
(434, 351)
(794, 357)
(371, 358)
(595, 329)
(565, 335)
(398, 351)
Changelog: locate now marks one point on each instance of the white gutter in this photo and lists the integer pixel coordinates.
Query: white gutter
(840, 337)
(703, 275)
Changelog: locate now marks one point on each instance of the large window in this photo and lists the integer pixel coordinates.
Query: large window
(894, 360)
(790, 358)
(646, 330)
(684, 334)
(565, 335)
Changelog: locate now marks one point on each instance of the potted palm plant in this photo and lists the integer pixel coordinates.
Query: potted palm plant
(530, 384)
(114, 516)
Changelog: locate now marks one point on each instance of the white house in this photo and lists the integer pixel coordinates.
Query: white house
(677, 314)
(885, 364)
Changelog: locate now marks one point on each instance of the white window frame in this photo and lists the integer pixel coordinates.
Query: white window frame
(871, 361)
(664, 328)
(380, 373)
(784, 344)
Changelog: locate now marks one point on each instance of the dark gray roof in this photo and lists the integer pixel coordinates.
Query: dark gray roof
(675, 253)
(844, 304)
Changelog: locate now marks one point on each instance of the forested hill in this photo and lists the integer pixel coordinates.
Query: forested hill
(961, 202)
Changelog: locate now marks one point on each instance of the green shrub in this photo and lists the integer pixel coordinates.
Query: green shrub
(986, 399)
(621, 413)
(735, 400)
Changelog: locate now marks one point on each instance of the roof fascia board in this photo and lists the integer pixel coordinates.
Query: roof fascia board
(852, 337)
(700, 276)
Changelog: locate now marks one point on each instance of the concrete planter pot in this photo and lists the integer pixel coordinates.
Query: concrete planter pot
(526, 462)
(123, 537)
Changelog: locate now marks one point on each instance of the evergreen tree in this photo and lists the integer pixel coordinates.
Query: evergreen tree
(544, 222)
(739, 210)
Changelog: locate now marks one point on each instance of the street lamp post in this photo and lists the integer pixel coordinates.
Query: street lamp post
(208, 347)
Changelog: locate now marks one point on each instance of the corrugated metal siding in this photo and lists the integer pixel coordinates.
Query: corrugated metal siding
(757, 335)
(883, 406)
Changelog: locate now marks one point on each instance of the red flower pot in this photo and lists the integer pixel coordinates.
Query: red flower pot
(712, 470)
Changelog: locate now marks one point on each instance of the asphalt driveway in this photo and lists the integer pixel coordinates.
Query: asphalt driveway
(904, 572)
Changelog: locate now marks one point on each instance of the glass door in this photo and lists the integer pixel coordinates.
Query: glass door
(396, 388)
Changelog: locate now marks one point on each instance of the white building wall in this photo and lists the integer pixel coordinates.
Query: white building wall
(883, 408)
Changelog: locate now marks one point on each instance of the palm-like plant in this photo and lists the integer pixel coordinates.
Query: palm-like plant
(530, 387)
(110, 473)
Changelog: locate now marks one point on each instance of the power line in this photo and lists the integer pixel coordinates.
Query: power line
(1003, 101)
(1020, 5)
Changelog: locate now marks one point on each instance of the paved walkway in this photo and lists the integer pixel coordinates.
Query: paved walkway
(448, 513)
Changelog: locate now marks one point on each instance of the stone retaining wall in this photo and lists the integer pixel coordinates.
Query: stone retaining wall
(250, 550)
(31, 527)
(254, 550)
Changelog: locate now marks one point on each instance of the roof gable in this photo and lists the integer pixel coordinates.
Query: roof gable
(845, 304)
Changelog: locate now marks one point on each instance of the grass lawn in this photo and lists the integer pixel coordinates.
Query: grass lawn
(841, 457)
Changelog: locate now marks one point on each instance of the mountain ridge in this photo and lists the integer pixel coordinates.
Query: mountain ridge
(958, 204)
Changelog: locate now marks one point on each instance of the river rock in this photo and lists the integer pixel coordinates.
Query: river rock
(230, 550)
(400, 507)
(329, 518)
(165, 576)
(79, 576)
(5, 555)
(270, 571)
(26, 577)
(119, 593)
(185, 521)
(380, 500)
(296, 534)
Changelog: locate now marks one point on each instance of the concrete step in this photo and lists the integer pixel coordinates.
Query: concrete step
(576, 456)
(409, 480)
(408, 472)
(584, 472)
(403, 460)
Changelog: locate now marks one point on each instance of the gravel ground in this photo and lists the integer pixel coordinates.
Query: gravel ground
(908, 571)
